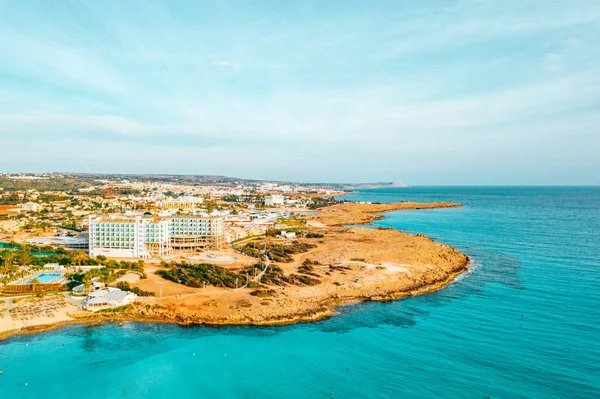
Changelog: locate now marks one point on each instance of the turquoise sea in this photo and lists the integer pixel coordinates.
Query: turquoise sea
(524, 323)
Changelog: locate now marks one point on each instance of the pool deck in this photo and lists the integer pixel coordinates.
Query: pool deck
(59, 279)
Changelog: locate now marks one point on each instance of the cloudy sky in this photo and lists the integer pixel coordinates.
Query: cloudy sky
(424, 92)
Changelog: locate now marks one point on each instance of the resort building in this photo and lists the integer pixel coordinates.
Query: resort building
(146, 236)
(65, 242)
(108, 298)
(274, 200)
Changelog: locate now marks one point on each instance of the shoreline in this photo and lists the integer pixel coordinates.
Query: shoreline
(317, 315)
(301, 305)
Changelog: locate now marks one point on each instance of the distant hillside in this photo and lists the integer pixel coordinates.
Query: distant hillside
(66, 181)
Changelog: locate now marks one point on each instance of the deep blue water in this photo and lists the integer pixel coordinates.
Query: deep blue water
(524, 323)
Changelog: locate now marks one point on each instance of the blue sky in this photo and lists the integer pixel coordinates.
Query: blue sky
(424, 92)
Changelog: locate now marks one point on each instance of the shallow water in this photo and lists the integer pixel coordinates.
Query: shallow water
(524, 323)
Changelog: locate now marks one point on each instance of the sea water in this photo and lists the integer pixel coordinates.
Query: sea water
(523, 323)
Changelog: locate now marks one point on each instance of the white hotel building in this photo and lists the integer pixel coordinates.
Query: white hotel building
(144, 236)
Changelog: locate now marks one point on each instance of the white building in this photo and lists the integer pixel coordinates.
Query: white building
(108, 298)
(274, 200)
(65, 242)
(31, 207)
(143, 236)
(288, 234)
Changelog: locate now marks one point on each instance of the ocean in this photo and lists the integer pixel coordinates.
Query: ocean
(524, 322)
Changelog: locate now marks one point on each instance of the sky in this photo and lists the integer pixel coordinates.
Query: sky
(424, 92)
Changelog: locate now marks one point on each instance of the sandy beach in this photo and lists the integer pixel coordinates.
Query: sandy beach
(30, 312)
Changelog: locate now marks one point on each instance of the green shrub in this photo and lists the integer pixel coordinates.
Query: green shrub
(196, 275)
(263, 293)
(118, 309)
(277, 252)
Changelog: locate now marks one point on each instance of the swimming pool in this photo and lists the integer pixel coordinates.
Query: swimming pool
(46, 278)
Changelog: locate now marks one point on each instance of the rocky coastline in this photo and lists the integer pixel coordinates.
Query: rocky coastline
(435, 266)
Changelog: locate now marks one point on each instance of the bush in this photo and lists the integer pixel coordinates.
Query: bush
(124, 285)
(118, 309)
(275, 276)
(276, 252)
(196, 275)
(263, 293)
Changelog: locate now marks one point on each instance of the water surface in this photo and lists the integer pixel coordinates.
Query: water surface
(524, 323)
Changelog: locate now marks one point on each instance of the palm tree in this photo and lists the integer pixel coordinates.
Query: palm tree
(8, 258)
(23, 257)
(87, 281)
(78, 257)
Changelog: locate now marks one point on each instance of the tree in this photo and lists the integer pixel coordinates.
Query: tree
(87, 281)
(61, 251)
(78, 257)
(23, 257)
(210, 206)
(8, 258)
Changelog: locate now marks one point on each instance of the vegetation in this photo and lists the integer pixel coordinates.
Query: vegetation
(321, 202)
(8, 257)
(277, 252)
(118, 309)
(308, 268)
(294, 224)
(104, 275)
(15, 264)
(263, 293)
(314, 235)
(271, 233)
(53, 184)
(124, 285)
(275, 276)
(210, 205)
(23, 257)
(197, 275)
(339, 268)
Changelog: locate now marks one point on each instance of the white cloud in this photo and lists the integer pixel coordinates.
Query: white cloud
(421, 80)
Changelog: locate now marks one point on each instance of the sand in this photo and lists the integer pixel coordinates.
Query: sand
(33, 311)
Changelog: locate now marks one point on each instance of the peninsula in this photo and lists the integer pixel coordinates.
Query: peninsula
(272, 279)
